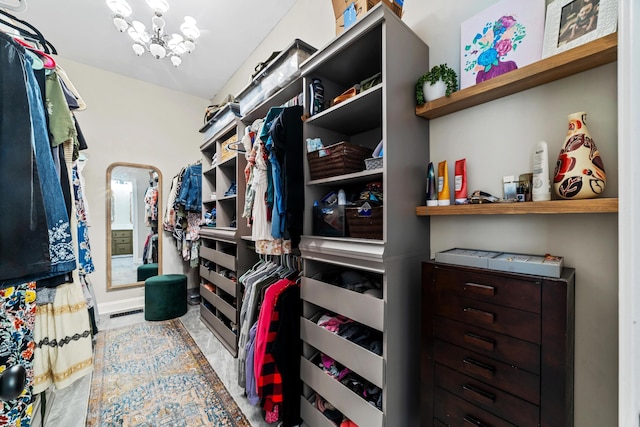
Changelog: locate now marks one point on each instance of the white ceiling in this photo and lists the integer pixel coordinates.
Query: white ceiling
(83, 31)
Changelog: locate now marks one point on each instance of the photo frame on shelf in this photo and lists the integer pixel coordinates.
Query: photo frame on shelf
(571, 23)
(506, 36)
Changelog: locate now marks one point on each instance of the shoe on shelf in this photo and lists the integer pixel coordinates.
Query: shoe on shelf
(232, 190)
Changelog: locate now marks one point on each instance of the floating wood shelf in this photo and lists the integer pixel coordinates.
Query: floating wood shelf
(590, 55)
(604, 205)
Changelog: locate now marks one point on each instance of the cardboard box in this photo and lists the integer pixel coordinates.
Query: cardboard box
(347, 12)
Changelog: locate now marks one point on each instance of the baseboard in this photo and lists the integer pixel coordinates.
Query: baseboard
(121, 305)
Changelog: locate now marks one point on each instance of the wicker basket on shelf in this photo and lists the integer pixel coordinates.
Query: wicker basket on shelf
(364, 227)
(341, 158)
(374, 163)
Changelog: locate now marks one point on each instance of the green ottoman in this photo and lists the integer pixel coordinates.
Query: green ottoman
(147, 270)
(165, 296)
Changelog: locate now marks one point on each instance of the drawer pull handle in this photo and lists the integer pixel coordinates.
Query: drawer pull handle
(480, 342)
(479, 315)
(476, 288)
(478, 368)
(470, 420)
(478, 394)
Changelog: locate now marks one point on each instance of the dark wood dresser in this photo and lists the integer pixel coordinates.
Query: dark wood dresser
(497, 348)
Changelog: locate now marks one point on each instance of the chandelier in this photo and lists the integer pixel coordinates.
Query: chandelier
(155, 41)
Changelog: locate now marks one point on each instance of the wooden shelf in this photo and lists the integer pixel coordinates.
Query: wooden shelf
(604, 205)
(590, 55)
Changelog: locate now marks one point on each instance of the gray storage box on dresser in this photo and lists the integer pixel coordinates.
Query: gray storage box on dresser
(497, 347)
(379, 42)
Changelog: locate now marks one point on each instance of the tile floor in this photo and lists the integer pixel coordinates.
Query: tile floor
(68, 407)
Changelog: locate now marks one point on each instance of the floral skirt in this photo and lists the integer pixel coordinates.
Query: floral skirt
(17, 319)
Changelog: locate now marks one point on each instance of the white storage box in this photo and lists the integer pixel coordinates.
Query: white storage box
(282, 70)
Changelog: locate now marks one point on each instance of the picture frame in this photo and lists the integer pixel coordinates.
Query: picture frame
(501, 38)
(571, 23)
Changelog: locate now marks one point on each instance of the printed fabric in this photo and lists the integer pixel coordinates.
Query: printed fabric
(17, 320)
(85, 262)
(63, 351)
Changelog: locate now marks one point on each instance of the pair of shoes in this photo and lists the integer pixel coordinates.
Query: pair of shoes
(232, 190)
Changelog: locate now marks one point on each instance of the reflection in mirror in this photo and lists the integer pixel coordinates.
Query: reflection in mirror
(133, 208)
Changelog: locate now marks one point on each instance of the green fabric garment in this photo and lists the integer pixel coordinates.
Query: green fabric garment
(61, 126)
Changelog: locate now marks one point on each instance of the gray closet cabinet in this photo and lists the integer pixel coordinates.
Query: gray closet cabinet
(224, 256)
(378, 42)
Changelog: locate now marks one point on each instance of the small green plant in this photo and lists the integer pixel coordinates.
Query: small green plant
(438, 72)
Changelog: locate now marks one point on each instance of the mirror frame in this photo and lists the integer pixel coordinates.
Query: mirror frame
(110, 286)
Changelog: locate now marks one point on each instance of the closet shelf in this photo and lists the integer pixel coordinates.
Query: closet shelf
(603, 205)
(590, 55)
(219, 233)
(362, 176)
(211, 171)
(353, 116)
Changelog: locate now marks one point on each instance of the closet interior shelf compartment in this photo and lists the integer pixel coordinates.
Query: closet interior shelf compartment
(590, 55)
(603, 205)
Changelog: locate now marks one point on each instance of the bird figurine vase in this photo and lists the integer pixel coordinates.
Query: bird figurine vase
(579, 172)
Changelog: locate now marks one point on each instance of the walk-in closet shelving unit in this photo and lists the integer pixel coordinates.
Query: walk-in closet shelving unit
(379, 42)
(224, 256)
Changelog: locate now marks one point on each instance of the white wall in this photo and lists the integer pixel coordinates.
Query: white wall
(497, 139)
(311, 21)
(132, 121)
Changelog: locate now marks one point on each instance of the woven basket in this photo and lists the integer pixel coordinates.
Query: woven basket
(374, 163)
(341, 158)
(365, 227)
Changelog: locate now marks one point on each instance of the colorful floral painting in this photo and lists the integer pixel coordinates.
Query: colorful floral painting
(500, 39)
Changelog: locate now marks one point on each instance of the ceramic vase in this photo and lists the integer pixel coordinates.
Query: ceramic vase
(579, 172)
(434, 91)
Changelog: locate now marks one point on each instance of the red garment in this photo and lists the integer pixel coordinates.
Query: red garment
(268, 378)
(348, 423)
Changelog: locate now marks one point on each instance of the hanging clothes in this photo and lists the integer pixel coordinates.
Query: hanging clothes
(183, 216)
(39, 237)
(274, 199)
(19, 179)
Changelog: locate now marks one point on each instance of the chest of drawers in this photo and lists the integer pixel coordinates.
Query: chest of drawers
(497, 348)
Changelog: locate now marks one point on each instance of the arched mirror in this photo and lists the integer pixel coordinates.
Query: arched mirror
(134, 215)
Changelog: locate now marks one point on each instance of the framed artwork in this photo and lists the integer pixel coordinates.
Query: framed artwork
(571, 23)
(501, 38)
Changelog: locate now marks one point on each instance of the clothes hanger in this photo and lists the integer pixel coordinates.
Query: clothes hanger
(36, 35)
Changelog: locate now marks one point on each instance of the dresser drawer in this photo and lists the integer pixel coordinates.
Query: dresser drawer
(501, 375)
(496, 401)
(523, 354)
(122, 233)
(124, 240)
(456, 412)
(508, 291)
(516, 323)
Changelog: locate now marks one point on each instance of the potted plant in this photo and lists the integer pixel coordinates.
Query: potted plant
(440, 81)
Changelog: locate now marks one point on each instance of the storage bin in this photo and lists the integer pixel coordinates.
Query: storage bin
(374, 163)
(328, 221)
(365, 227)
(221, 118)
(282, 70)
(341, 158)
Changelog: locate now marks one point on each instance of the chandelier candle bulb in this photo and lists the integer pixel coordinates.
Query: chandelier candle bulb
(432, 194)
(156, 40)
(444, 197)
(460, 181)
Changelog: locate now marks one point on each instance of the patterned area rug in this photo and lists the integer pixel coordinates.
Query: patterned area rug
(154, 374)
